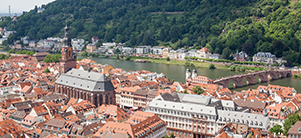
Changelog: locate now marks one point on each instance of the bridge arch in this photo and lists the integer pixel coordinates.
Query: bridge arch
(288, 74)
(238, 82)
(250, 79)
(262, 77)
(282, 74)
(273, 75)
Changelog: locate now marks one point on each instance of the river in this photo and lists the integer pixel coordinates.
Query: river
(177, 73)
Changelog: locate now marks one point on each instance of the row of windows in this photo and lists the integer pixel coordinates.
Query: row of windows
(176, 132)
(183, 120)
(242, 121)
(182, 113)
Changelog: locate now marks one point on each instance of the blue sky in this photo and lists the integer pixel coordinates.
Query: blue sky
(18, 6)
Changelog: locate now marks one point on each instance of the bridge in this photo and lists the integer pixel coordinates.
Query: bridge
(263, 76)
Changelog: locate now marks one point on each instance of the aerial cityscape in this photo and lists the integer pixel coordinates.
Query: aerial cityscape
(151, 69)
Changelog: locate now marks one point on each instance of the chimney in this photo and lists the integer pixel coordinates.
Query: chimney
(265, 113)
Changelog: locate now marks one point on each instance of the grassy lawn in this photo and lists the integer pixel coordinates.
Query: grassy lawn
(182, 63)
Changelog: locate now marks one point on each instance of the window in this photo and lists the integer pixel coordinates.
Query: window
(299, 130)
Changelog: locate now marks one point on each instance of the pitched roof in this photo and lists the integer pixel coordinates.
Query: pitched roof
(113, 111)
(56, 123)
(255, 104)
(90, 81)
(295, 129)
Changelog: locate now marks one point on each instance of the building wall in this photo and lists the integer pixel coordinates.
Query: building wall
(117, 95)
(161, 132)
(126, 101)
(186, 124)
(91, 48)
(140, 101)
(294, 136)
(96, 98)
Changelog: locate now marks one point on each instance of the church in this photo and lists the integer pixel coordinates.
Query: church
(81, 84)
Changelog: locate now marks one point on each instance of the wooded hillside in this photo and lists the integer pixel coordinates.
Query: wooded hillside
(223, 26)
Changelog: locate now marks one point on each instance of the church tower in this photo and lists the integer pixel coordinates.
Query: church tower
(188, 73)
(68, 60)
(194, 73)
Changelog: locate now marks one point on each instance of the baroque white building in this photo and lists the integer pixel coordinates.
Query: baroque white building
(191, 116)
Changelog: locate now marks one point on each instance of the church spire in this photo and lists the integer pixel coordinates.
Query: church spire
(67, 39)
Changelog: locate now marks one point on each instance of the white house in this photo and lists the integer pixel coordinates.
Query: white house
(78, 44)
(203, 53)
(157, 50)
(142, 49)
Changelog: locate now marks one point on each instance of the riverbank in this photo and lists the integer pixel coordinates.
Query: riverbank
(197, 64)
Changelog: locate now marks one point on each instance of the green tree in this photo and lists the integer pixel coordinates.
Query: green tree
(211, 66)
(279, 48)
(3, 56)
(198, 90)
(52, 58)
(277, 129)
(171, 136)
(232, 68)
(117, 51)
(289, 121)
(167, 59)
(162, 36)
(248, 48)
(47, 70)
(174, 34)
(11, 51)
(226, 53)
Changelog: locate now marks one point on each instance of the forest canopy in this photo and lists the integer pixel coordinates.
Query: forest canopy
(235, 25)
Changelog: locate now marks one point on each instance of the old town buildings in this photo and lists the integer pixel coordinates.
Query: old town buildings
(84, 99)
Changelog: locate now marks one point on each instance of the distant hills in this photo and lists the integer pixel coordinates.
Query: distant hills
(223, 26)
